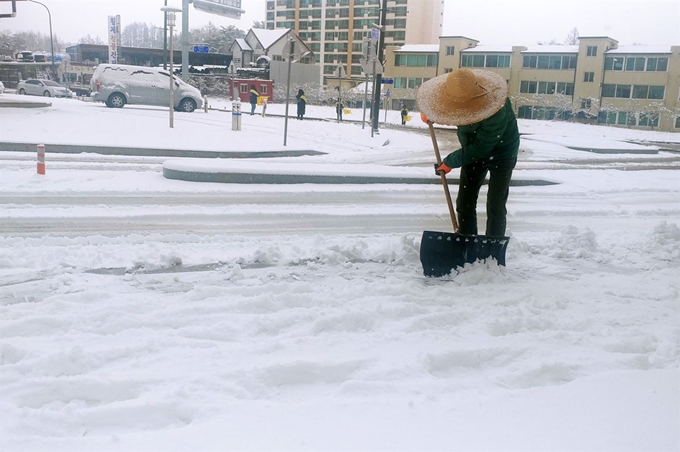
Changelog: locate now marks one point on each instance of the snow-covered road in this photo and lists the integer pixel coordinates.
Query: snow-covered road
(140, 313)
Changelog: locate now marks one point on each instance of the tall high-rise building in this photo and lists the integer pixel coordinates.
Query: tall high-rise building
(335, 29)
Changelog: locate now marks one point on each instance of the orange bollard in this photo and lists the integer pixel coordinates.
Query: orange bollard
(41, 159)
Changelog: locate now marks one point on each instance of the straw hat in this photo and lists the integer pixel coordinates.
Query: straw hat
(462, 97)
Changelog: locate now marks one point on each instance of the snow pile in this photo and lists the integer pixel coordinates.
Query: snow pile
(665, 242)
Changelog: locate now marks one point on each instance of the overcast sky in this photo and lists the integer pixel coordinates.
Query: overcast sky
(492, 22)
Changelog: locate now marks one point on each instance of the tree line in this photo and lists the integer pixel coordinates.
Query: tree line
(136, 34)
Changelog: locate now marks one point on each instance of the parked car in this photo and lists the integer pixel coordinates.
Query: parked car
(40, 87)
(119, 84)
(2, 88)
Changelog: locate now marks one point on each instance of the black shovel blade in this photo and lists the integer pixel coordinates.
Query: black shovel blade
(441, 252)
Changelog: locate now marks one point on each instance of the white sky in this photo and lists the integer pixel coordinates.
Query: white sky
(520, 22)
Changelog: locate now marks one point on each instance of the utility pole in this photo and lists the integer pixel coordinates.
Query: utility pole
(165, 36)
(291, 54)
(377, 84)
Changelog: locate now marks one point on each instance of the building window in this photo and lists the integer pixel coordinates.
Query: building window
(677, 122)
(542, 113)
(485, 61)
(588, 76)
(585, 104)
(636, 64)
(244, 87)
(447, 70)
(416, 60)
(630, 118)
(591, 50)
(532, 87)
(564, 62)
(528, 87)
(450, 50)
(656, 92)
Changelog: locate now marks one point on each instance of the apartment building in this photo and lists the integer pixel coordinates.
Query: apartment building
(334, 29)
(596, 81)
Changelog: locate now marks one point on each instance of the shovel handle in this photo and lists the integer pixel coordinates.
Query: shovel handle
(456, 229)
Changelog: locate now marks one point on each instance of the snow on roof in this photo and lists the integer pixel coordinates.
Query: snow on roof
(551, 49)
(411, 48)
(641, 49)
(268, 37)
(243, 44)
(488, 49)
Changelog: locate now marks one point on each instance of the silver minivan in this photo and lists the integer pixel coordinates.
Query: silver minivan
(120, 84)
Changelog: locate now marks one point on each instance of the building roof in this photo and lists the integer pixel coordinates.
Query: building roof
(640, 49)
(488, 49)
(268, 37)
(414, 48)
(550, 49)
(242, 44)
(598, 37)
(458, 37)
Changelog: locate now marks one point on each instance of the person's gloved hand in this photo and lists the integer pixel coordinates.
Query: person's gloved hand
(439, 168)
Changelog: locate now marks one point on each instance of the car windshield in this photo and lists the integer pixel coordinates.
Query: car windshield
(50, 83)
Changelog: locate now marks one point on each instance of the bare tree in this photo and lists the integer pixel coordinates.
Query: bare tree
(572, 37)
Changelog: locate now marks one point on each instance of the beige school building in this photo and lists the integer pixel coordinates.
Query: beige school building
(596, 81)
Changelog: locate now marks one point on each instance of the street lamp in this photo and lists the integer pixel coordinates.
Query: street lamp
(49, 15)
(170, 12)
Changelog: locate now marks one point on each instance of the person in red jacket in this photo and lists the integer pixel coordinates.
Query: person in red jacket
(476, 101)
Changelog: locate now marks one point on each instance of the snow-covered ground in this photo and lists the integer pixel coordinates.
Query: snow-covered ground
(140, 313)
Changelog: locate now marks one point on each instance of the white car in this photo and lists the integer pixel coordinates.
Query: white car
(118, 84)
(2, 88)
(40, 87)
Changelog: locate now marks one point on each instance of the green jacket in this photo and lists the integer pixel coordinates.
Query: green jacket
(496, 136)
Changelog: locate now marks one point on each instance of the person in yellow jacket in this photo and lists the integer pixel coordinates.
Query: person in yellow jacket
(404, 114)
(253, 99)
(301, 104)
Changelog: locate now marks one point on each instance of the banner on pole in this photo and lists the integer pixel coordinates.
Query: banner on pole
(113, 25)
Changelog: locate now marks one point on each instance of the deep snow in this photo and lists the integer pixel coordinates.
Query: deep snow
(139, 313)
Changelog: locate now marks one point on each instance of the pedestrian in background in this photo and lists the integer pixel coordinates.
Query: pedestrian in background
(338, 109)
(404, 114)
(253, 99)
(301, 104)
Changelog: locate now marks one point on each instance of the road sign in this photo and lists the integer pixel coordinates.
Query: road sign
(375, 34)
(201, 49)
(387, 94)
(388, 81)
(367, 66)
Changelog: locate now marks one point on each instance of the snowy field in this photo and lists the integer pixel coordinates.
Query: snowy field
(139, 313)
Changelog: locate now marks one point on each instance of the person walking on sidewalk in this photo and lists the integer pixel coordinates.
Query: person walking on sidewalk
(253, 99)
(338, 109)
(477, 102)
(404, 114)
(301, 104)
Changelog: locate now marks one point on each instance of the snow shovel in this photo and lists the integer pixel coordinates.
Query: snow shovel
(442, 252)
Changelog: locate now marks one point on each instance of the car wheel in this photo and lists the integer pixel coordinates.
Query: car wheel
(22, 91)
(187, 105)
(116, 100)
(47, 94)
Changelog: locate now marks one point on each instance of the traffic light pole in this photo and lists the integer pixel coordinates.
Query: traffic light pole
(378, 77)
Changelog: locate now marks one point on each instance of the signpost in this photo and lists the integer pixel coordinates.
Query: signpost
(201, 49)
(340, 72)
